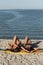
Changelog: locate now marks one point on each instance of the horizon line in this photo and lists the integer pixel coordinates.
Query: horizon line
(19, 9)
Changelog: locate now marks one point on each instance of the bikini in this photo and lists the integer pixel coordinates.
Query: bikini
(29, 48)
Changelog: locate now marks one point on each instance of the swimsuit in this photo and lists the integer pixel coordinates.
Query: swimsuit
(29, 47)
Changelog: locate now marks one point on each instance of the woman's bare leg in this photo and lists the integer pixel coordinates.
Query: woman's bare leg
(11, 47)
(13, 43)
(18, 42)
(26, 40)
(14, 39)
(29, 41)
(9, 43)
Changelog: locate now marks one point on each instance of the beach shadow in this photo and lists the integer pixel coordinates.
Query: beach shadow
(35, 45)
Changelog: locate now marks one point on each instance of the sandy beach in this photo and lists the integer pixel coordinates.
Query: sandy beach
(21, 59)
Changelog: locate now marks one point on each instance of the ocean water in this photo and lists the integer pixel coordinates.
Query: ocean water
(21, 23)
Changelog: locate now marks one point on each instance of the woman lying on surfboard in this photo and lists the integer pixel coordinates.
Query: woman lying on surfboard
(27, 44)
(17, 45)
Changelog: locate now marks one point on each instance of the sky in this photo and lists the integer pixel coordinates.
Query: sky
(21, 4)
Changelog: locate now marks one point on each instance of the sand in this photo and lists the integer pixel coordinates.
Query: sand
(21, 59)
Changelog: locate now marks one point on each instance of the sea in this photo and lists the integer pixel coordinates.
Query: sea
(21, 22)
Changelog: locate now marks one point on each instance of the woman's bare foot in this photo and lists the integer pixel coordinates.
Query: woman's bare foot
(35, 49)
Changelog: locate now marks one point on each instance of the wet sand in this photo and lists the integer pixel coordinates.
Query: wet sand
(21, 59)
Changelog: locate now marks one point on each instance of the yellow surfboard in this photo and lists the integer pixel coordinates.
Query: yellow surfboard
(22, 52)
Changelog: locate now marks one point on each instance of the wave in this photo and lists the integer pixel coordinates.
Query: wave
(6, 15)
